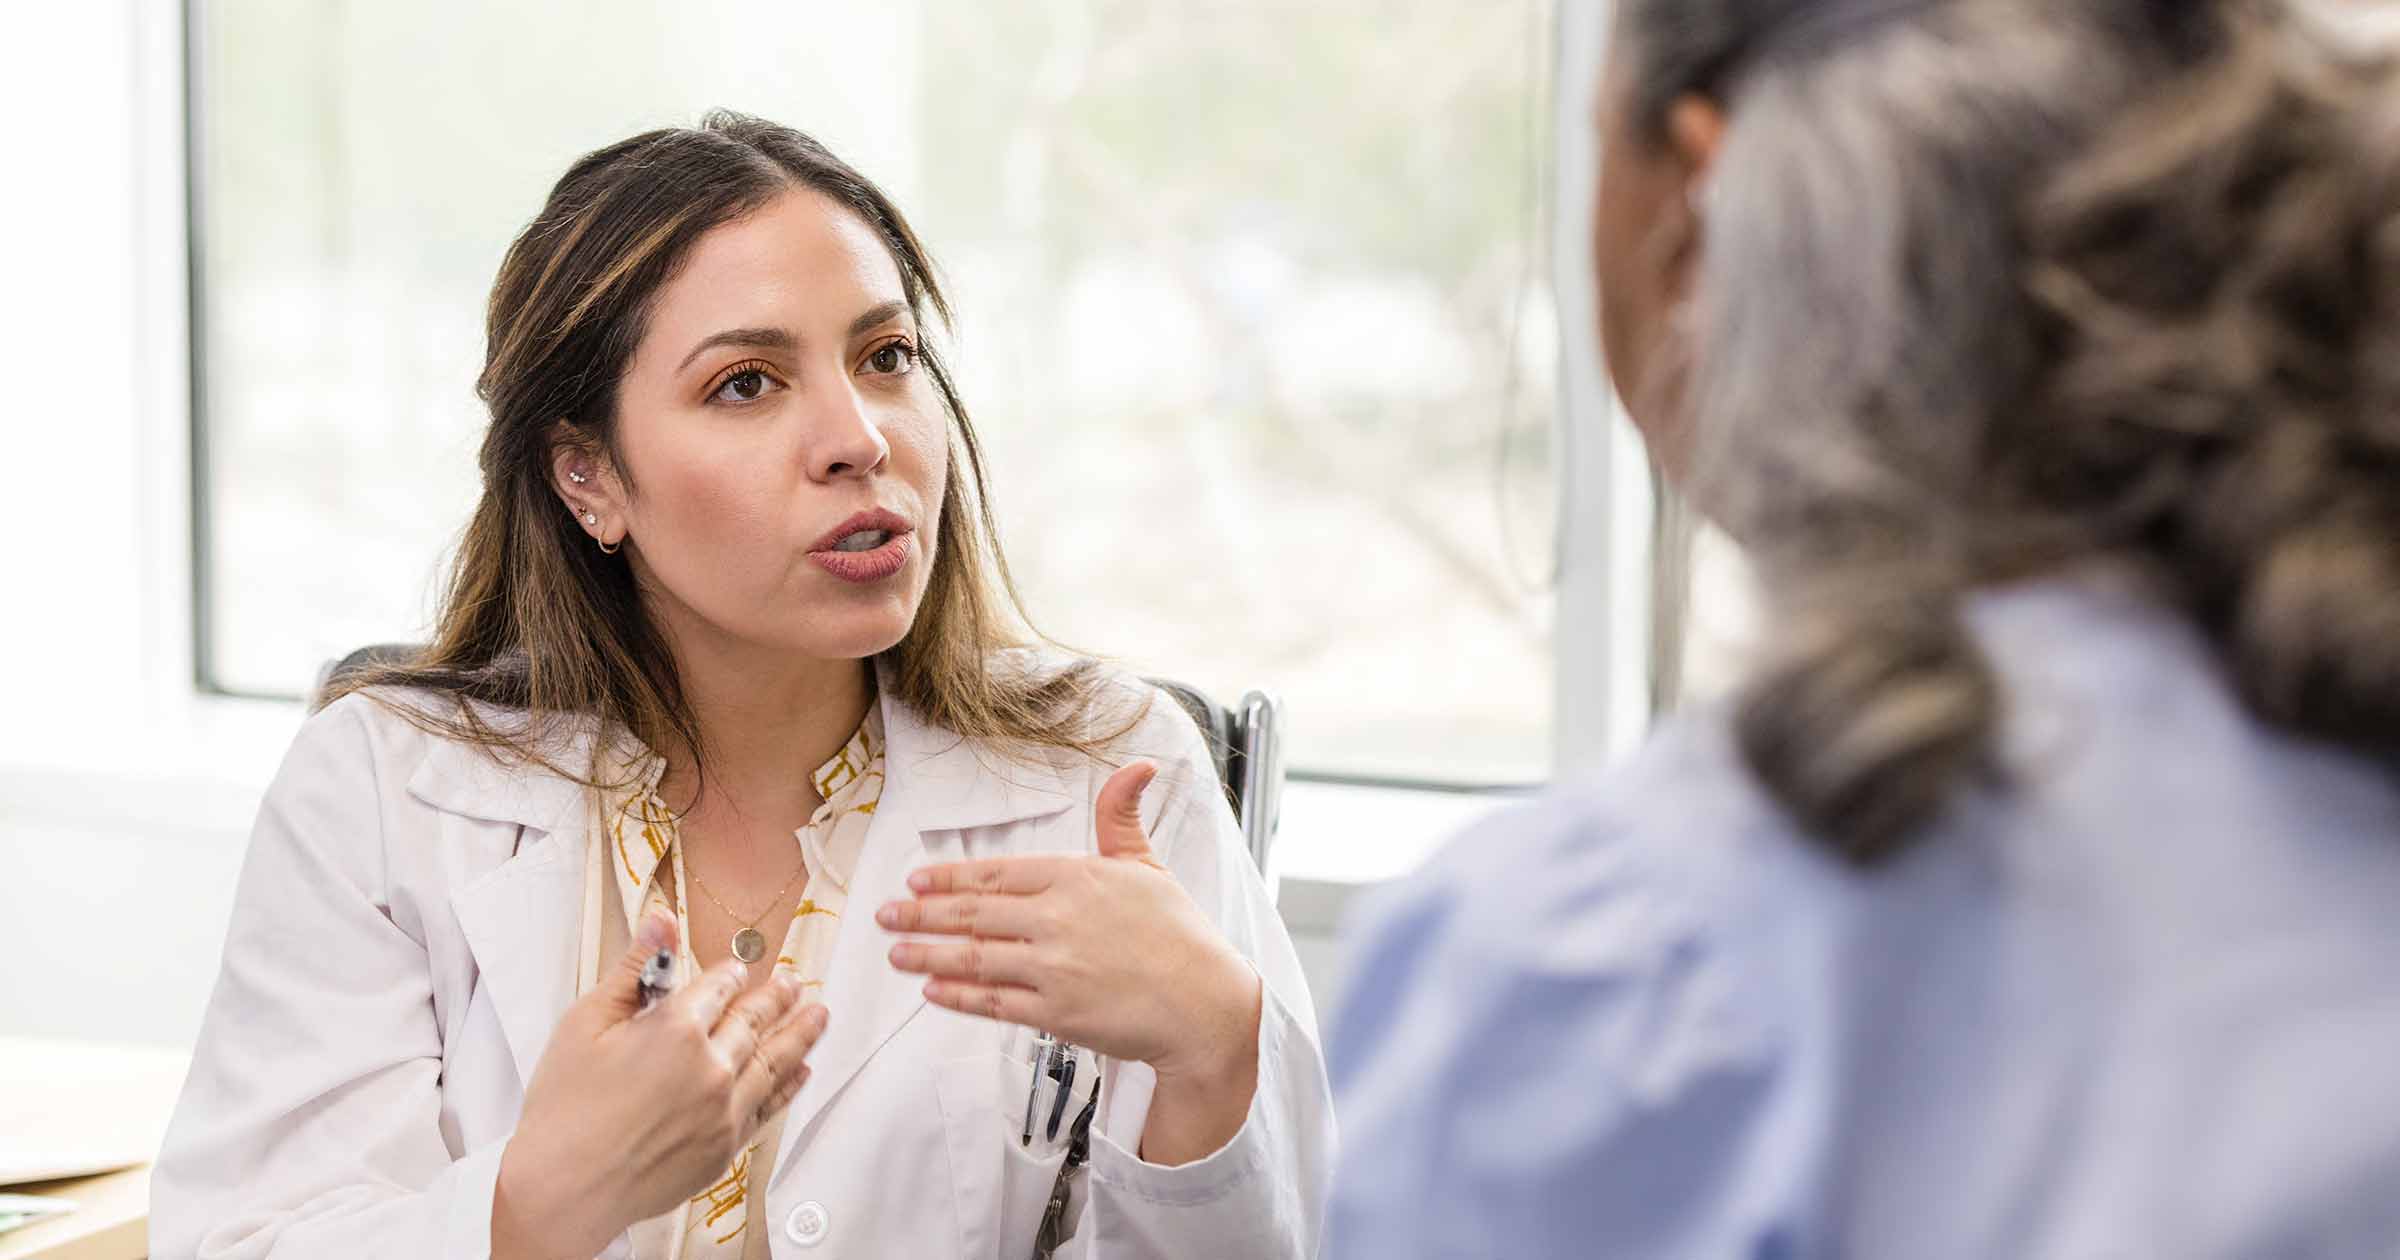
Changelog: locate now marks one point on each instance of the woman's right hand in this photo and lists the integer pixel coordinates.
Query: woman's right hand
(632, 1112)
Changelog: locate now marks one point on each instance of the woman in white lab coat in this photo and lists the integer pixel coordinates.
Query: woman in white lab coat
(731, 586)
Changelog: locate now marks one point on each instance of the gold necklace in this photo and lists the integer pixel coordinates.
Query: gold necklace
(749, 944)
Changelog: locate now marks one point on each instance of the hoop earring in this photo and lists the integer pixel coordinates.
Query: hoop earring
(607, 550)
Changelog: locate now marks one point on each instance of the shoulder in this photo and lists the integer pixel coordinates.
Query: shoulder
(1136, 717)
(1131, 718)
(341, 791)
(1158, 727)
(1666, 911)
(1186, 797)
(1621, 976)
(1681, 825)
(400, 725)
(367, 732)
(402, 746)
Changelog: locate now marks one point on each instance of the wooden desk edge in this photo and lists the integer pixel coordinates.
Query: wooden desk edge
(111, 1220)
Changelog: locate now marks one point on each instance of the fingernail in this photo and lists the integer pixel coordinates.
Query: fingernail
(791, 982)
(889, 916)
(817, 1015)
(899, 955)
(921, 881)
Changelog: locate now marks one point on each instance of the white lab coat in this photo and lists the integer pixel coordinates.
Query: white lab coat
(403, 941)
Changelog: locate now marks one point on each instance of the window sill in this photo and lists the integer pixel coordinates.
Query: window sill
(1338, 840)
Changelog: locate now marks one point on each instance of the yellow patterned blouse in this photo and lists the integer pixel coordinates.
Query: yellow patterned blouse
(643, 852)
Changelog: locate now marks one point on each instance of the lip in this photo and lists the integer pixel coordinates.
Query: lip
(865, 566)
(884, 519)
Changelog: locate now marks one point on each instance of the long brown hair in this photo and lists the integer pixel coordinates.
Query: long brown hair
(1995, 287)
(537, 625)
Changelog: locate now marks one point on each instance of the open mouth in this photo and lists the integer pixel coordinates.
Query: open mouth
(863, 540)
(869, 547)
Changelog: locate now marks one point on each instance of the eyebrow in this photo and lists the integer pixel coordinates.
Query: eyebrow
(780, 339)
(756, 338)
(883, 314)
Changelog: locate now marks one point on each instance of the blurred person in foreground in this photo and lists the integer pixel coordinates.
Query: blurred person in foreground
(2038, 895)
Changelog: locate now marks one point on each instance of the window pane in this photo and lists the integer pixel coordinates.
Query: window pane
(1254, 316)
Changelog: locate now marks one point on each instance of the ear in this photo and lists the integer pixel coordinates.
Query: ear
(586, 483)
(1695, 132)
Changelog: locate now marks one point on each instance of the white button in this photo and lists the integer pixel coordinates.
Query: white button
(808, 1223)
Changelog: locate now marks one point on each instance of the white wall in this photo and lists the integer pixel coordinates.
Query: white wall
(126, 926)
(109, 888)
(71, 347)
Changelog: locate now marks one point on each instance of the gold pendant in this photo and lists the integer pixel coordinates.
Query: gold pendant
(749, 945)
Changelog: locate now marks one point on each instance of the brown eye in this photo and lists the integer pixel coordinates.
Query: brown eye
(743, 386)
(893, 359)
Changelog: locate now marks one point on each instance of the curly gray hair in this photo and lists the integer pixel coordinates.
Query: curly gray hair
(1996, 286)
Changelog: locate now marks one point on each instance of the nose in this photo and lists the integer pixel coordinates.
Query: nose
(843, 438)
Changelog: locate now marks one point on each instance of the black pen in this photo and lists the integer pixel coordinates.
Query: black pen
(1065, 1074)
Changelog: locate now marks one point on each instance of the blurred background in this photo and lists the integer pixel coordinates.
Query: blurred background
(1274, 316)
(1252, 305)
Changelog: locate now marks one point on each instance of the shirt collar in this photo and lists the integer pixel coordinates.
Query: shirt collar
(951, 782)
(848, 766)
(639, 829)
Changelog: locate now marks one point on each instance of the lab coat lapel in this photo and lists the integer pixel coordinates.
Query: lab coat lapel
(522, 921)
(936, 786)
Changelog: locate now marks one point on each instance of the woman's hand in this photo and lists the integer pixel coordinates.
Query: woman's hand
(1107, 952)
(632, 1112)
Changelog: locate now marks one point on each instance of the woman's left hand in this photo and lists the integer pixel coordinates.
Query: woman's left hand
(1106, 952)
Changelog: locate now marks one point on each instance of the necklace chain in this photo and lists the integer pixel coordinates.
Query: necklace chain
(752, 921)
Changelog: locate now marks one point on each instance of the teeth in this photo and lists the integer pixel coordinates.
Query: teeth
(863, 540)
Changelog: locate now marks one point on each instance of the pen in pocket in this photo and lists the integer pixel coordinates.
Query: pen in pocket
(1044, 1046)
(1063, 1071)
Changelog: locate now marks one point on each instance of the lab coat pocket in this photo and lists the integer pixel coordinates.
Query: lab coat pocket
(1002, 1185)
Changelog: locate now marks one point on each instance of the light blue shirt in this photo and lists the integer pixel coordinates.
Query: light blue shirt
(2141, 1002)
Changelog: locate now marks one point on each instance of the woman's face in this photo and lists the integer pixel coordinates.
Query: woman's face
(1645, 247)
(784, 456)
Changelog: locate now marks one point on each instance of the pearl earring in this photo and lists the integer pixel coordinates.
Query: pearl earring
(590, 518)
